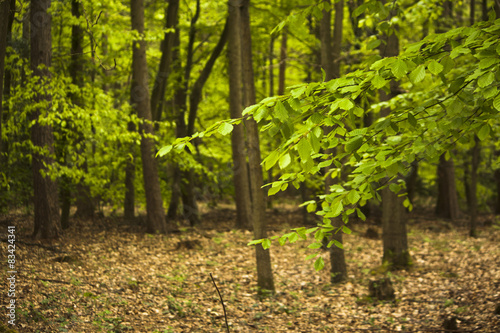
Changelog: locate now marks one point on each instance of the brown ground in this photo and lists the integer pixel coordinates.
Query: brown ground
(106, 275)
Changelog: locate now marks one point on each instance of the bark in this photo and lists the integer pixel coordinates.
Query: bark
(141, 103)
(189, 204)
(394, 237)
(472, 11)
(337, 37)
(167, 48)
(47, 223)
(497, 183)
(484, 12)
(473, 186)
(129, 202)
(282, 67)
(265, 280)
(411, 181)
(84, 202)
(325, 34)
(5, 13)
(240, 171)
(329, 63)
(447, 200)
(496, 7)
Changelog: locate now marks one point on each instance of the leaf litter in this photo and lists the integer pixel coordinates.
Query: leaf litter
(109, 276)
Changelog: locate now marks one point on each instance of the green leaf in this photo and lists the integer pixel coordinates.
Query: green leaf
(280, 111)
(266, 243)
(319, 264)
(435, 67)
(311, 207)
(412, 120)
(312, 256)
(399, 68)
(271, 159)
(337, 244)
(483, 132)
(305, 149)
(284, 161)
(353, 196)
(378, 82)
(346, 230)
(373, 44)
(164, 150)
(337, 208)
(255, 242)
(486, 79)
(346, 104)
(360, 214)
(395, 188)
(496, 102)
(354, 143)
(315, 245)
(418, 74)
(225, 128)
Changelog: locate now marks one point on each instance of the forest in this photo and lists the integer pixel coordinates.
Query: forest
(250, 166)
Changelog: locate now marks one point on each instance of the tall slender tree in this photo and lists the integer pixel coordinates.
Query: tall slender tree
(4, 23)
(394, 236)
(265, 279)
(240, 170)
(47, 223)
(330, 56)
(141, 103)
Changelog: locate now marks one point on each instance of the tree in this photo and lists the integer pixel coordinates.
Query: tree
(140, 101)
(4, 18)
(265, 279)
(240, 171)
(47, 223)
(394, 237)
(330, 62)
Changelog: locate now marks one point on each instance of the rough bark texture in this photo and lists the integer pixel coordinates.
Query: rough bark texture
(265, 279)
(447, 199)
(140, 101)
(240, 171)
(167, 47)
(395, 241)
(47, 223)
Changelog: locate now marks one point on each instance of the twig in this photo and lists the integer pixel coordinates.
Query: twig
(221, 300)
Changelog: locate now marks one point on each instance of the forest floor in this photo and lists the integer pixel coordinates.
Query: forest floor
(107, 275)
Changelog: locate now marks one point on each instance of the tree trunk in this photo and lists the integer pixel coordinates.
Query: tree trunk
(5, 13)
(447, 200)
(140, 101)
(167, 48)
(329, 63)
(47, 223)
(265, 280)
(129, 202)
(84, 202)
(472, 11)
(395, 241)
(476, 150)
(240, 171)
(337, 37)
(283, 60)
